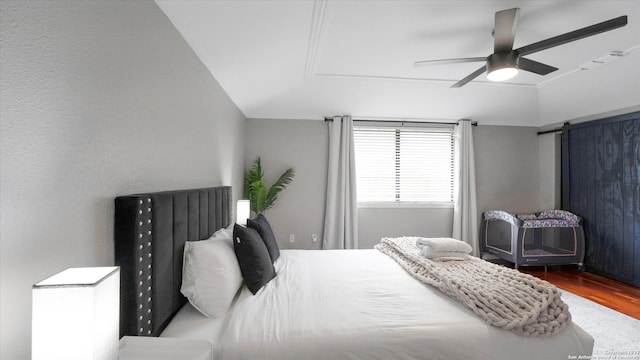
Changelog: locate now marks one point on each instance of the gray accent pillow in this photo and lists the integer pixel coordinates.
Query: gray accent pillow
(262, 226)
(253, 257)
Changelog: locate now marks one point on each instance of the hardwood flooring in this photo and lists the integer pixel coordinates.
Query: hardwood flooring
(604, 291)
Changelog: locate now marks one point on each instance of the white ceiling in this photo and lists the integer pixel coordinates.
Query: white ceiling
(309, 59)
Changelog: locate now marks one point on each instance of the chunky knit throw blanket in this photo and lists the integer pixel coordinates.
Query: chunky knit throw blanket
(501, 296)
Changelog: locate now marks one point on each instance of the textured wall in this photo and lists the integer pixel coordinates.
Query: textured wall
(98, 99)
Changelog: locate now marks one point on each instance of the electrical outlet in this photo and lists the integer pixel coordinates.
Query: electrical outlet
(292, 238)
(314, 237)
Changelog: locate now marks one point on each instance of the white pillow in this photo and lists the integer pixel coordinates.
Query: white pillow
(211, 274)
(224, 233)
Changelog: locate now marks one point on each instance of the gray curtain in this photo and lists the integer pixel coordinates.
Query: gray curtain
(465, 209)
(340, 219)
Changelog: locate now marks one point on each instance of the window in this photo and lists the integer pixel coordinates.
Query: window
(402, 164)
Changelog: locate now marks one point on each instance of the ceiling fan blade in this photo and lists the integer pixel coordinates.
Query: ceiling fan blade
(504, 31)
(470, 77)
(448, 61)
(573, 35)
(536, 67)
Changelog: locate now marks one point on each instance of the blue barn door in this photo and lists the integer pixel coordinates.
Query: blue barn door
(601, 183)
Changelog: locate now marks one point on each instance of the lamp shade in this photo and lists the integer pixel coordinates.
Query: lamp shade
(243, 211)
(75, 315)
(502, 74)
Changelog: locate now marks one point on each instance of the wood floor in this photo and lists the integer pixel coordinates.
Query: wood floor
(610, 293)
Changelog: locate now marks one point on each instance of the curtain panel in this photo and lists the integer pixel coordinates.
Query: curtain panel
(341, 216)
(465, 209)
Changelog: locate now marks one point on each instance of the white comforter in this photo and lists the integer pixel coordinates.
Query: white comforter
(360, 304)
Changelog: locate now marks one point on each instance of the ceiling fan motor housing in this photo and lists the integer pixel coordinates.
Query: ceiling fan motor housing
(502, 60)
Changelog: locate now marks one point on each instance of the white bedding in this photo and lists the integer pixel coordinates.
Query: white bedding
(360, 304)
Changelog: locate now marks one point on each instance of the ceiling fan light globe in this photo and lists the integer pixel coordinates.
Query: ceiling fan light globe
(502, 74)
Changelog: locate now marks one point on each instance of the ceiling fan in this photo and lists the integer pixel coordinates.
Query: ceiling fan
(505, 61)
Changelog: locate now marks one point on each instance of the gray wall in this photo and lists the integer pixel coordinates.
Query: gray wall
(376, 223)
(550, 164)
(302, 145)
(507, 169)
(99, 99)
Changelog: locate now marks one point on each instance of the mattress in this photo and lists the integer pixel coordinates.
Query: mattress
(359, 304)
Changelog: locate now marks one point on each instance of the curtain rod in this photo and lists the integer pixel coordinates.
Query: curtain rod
(550, 131)
(474, 123)
(553, 130)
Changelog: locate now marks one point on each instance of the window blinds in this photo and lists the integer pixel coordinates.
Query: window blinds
(404, 164)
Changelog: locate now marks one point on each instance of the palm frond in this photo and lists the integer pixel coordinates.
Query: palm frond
(258, 196)
(251, 176)
(282, 182)
(261, 196)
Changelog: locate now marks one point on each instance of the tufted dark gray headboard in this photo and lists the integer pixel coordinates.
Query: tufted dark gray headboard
(149, 234)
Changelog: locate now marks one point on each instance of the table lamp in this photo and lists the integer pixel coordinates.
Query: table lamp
(243, 211)
(75, 315)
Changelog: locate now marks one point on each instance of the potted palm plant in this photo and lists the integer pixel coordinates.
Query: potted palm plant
(260, 195)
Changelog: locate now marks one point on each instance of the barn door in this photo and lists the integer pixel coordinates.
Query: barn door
(601, 183)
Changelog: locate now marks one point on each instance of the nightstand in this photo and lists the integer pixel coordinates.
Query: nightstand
(158, 348)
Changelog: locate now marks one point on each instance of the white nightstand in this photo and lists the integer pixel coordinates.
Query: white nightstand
(158, 348)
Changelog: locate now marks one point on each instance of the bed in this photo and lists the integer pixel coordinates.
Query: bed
(327, 304)
(550, 237)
